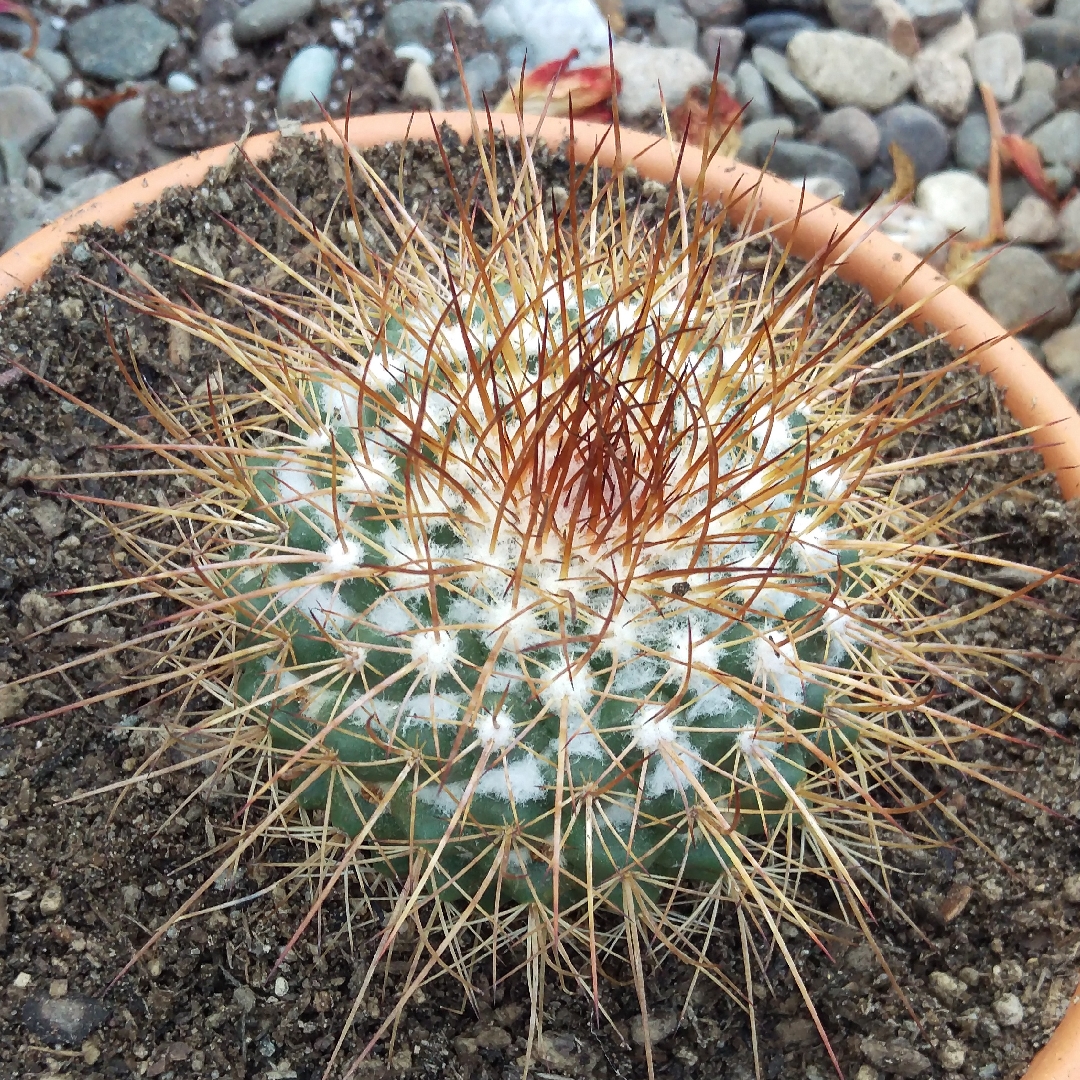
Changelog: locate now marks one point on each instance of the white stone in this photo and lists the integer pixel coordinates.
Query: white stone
(845, 69)
(420, 86)
(956, 40)
(551, 28)
(958, 200)
(943, 84)
(1008, 1010)
(907, 225)
(646, 70)
(1032, 222)
(180, 82)
(308, 75)
(1062, 352)
(217, 49)
(998, 61)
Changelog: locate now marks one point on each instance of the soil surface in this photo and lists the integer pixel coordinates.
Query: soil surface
(85, 881)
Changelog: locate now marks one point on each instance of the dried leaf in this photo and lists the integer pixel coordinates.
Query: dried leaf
(101, 106)
(557, 87)
(903, 185)
(966, 262)
(9, 7)
(723, 135)
(1025, 158)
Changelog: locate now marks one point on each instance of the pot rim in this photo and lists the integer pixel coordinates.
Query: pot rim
(862, 255)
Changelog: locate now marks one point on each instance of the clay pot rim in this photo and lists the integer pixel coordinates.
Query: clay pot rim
(887, 271)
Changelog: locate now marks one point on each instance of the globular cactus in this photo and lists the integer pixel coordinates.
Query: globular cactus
(556, 561)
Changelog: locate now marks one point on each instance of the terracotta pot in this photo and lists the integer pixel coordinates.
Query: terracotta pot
(869, 259)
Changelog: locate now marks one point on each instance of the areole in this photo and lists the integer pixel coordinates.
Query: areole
(864, 257)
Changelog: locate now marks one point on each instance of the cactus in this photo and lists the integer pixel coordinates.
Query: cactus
(557, 564)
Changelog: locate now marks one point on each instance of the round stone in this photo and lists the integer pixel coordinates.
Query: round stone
(851, 15)
(728, 42)
(796, 99)
(1019, 287)
(1058, 140)
(16, 70)
(482, 74)
(972, 142)
(1062, 352)
(648, 70)
(308, 75)
(409, 21)
(845, 69)
(797, 160)
(776, 28)
(26, 116)
(852, 132)
(998, 60)
(958, 200)
(120, 42)
(264, 19)
(918, 132)
(676, 28)
(717, 12)
(759, 136)
(1030, 109)
(943, 84)
(1032, 222)
(753, 91)
(1057, 41)
(932, 16)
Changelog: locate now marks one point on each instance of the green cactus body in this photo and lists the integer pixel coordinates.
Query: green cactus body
(508, 642)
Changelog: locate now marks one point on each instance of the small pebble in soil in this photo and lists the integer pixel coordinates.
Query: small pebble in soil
(67, 1020)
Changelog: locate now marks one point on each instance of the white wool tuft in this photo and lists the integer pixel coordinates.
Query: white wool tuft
(517, 781)
(562, 687)
(843, 629)
(341, 401)
(293, 478)
(353, 656)
(435, 652)
(342, 555)
(498, 730)
(777, 661)
(367, 476)
(832, 483)
(812, 545)
(441, 709)
(389, 616)
(673, 756)
(651, 730)
(322, 605)
(754, 748)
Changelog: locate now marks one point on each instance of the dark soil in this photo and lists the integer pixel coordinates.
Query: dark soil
(84, 882)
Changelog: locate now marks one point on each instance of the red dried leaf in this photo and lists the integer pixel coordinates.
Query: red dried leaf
(692, 118)
(1025, 157)
(100, 106)
(558, 87)
(9, 7)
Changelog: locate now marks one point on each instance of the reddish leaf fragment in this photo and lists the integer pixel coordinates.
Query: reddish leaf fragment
(692, 118)
(100, 106)
(9, 7)
(955, 901)
(1025, 157)
(558, 88)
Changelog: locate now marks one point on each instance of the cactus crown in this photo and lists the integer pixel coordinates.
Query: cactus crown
(560, 568)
